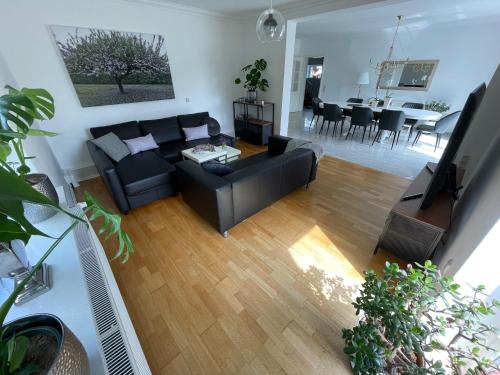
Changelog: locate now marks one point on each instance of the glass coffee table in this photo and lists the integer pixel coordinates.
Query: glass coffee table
(222, 154)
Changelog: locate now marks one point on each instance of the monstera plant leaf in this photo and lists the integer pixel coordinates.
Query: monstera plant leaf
(13, 191)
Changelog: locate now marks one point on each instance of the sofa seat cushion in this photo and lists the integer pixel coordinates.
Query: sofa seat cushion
(251, 160)
(125, 130)
(163, 130)
(144, 171)
(192, 119)
(171, 151)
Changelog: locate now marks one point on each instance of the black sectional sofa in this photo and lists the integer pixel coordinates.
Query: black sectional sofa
(257, 182)
(140, 179)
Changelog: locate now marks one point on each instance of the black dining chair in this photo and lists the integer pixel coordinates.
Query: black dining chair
(442, 126)
(411, 122)
(317, 111)
(361, 117)
(332, 112)
(355, 100)
(392, 121)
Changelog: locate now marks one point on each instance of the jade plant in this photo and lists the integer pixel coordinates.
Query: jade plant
(416, 321)
(253, 76)
(18, 111)
(437, 106)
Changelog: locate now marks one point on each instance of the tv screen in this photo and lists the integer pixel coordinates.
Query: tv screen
(445, 165)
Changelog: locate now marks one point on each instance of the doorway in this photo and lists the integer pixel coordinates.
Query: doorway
(314, 73)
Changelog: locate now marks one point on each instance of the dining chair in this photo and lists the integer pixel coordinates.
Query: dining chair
(355, 100)
(411, 122)
(442, 126)
(332, 112)
(317, 111)
(361, 117)
(392, 121)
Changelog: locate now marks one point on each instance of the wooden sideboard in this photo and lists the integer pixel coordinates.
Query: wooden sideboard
(413, 234)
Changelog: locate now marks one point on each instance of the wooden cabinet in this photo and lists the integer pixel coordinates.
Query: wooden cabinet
(253, 122)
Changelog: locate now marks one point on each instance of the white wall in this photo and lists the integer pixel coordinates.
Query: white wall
(468, 56)
(201, 49)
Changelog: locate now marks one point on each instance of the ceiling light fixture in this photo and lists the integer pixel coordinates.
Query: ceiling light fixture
(270, 25)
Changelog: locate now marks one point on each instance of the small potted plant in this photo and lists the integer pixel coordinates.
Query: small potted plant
(415, 321)
(40, 343)
(437, 106)
(253, 78)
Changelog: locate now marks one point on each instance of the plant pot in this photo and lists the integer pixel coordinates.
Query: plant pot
(252, 95)
(36, 213)
(53, 348)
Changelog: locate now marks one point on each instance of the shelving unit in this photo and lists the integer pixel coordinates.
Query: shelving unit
(253, 122)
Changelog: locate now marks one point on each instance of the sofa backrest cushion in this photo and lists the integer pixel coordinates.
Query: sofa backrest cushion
(125, 130)
(163, 129)
(192, 119)
(259, 185)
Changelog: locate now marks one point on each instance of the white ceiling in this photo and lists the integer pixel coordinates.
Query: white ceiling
(419, 14)
(232, 7)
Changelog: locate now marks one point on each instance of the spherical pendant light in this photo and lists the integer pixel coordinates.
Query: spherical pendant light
(270, 25)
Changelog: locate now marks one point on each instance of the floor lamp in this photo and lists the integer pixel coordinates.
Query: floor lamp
(363, 79)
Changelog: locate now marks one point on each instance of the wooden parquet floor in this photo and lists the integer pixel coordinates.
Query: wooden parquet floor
(273, 297)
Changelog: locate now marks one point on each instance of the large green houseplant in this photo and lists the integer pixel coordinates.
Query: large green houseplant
(18, 111)
(253, 78)
(416, 321)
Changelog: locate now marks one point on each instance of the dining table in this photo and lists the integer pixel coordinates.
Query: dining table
(410, 113)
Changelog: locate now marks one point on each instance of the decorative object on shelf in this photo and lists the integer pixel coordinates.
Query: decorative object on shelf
(253, 79)
(58, 350)
(363, 79)
(411, 316)
(270, 25)
(41, 183)
(18, 110)
(437, 106)
(198, 149)
(113, 67)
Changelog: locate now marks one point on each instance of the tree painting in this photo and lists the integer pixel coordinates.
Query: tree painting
(113, 67)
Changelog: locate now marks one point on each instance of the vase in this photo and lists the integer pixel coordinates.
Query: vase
(387, 102)
(14, 265)
(36, 213)
(54, 349)
(252, 95)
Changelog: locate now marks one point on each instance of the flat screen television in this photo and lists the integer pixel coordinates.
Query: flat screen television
(444, 176)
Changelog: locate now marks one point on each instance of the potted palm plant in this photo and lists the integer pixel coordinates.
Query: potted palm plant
(415, 321)
(40, 343)
(253, 78)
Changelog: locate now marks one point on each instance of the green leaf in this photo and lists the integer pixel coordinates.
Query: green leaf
(18, 345)
(11, 134)
(42, 132)
(16, 110)
(13, 191)
(12, 230)
(111, 226)
(42, 102)
(4, 151)
(237, 81)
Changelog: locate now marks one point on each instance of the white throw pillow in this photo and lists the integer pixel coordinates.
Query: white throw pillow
(136, 145)
(197, 132)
